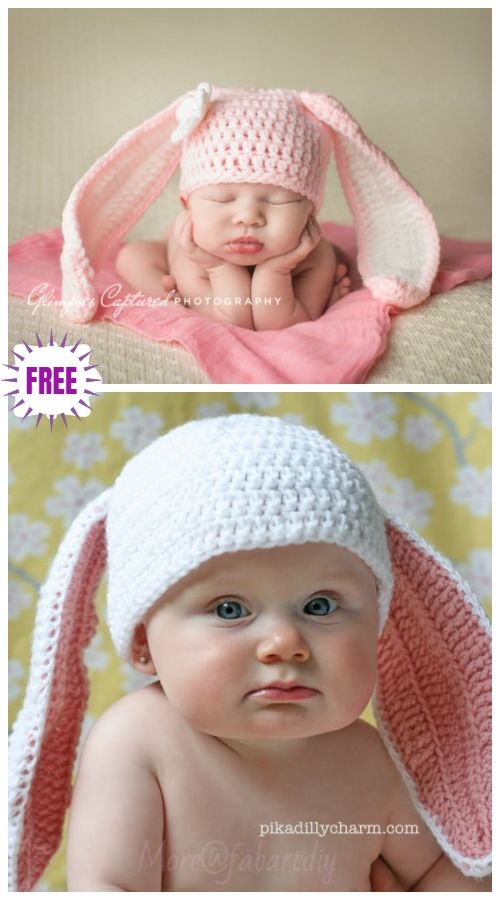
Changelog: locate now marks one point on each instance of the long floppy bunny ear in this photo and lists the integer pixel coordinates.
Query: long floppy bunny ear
(398, 244)
(109, 199)
(433, 699)
(45, 735)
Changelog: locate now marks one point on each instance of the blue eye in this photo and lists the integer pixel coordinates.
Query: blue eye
(231, 609)
(320, 606)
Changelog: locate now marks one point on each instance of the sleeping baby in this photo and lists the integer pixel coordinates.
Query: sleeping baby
(248, 230)
(208, 250)
(254, 576)
(246, 248)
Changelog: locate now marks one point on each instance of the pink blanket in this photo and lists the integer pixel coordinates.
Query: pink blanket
(338, 348)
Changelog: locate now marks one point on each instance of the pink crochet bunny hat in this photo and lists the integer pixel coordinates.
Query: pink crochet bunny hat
(279, 137)
(237, 483)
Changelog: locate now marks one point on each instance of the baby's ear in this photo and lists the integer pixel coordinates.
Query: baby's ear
(141, 655)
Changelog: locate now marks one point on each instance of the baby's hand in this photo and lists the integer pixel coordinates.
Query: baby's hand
(309, 239)
(169, 285)
(183, 232)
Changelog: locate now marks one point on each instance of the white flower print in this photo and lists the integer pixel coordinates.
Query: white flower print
(421, 431)
(19, 599)
(292, 418)
(255, 399)
(136, 428)
(477, 572)
(377, 474)
(20, 424)
(83, 450)
(11, 475)
(366, 416)
(481, 408)
(399, 496)
(16, 678)
(72, 495)
(211, 410)
(132, 679)
(96, 659)
(473, 490)
(26, 537)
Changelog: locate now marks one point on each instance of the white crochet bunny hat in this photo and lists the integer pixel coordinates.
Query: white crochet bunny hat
(236, 483)
(279, 137)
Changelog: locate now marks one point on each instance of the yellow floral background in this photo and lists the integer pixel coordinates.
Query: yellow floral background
(427, 455)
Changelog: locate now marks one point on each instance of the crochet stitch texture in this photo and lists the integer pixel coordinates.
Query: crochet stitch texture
(227, 484)
(261, 136)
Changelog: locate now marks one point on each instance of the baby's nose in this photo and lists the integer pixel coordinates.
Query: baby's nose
(249, 213)
(282, 641)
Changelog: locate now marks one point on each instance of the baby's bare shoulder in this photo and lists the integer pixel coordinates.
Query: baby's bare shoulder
(325, 248)
(364, 751)
(117, 804)
(323, 256)
(373, 746)
(129, 720)
(168, 234)
(363, 736)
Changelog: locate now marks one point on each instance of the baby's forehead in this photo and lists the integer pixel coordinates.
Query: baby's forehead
(296, 562)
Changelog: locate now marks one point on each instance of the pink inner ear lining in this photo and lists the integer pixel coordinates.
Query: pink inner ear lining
(48, 799)
(434, 699)
(364, 172)
(107, 202)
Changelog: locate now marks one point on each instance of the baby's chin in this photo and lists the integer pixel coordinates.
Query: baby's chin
(276, 723)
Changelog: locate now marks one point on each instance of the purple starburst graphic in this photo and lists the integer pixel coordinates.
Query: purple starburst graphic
(52, 380)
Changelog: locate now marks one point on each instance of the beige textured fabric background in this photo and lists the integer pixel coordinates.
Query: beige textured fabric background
(417, 80)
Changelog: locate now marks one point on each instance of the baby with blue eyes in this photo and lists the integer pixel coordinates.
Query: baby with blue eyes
(264, 661)
(247, 254)
(253, 576)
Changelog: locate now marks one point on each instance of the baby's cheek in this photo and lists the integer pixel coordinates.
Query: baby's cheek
(204, 229)
(356, 666)
(288, 228)
(201, 689)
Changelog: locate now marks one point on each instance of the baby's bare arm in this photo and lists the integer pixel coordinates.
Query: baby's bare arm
(116, 820)
(313, 285)
(416, 859)
(300, 295)
(143, 265)
(443, 876)
(209, 285)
